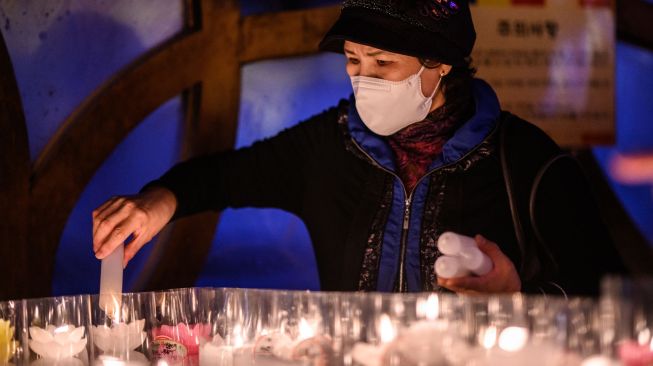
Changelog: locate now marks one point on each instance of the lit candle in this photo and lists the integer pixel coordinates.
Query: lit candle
(511, 348)
(306, 347)
(421, 343)
(132, 359)
(57, 343)
(218, 353)
(599, 360)
(119, 341)
(374, 355)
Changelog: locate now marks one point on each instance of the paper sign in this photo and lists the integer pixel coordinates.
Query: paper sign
(551, 64)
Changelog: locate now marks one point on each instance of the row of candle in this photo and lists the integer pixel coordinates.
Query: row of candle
(261, 327)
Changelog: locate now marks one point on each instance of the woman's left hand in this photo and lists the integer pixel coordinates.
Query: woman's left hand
(503, 277)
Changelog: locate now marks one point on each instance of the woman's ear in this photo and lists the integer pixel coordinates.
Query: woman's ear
(445, 69)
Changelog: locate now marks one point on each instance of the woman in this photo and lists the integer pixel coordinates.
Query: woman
(419, 149)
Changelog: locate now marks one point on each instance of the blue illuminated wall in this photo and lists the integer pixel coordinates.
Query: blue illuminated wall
(634, 128)
(62, 51)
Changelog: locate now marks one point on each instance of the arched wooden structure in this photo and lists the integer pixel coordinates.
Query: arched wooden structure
(202, 63)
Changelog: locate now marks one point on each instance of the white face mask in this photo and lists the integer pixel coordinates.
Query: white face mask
(388, 106)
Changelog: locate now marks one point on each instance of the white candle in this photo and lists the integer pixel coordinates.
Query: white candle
(449, 267)
(475, 261)
(450, 243)
(57, 343)
(111, 282)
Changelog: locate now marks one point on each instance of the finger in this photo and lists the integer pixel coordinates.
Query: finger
(110, 210)
(103, 206)
(488, 247)
(106, 212)
(453, 286)
(101, 212)
(118, 236)
(110, 225)
(134, 246)
(469, 283)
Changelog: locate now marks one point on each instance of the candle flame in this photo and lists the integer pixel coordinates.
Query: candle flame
(62, 329)
(489, 337)
(513, 339)
(238, 336)
(387, 331)
(111, 361)
(305, 330)
(116, 310)
(644, 336)
(432, 307)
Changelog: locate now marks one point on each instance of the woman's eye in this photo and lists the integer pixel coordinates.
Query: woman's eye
(383, 62)
(353, 61)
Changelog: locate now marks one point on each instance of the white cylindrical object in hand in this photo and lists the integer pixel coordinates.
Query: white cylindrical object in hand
(451, 243)
(449, 267)
(111, 281)
(475, 261)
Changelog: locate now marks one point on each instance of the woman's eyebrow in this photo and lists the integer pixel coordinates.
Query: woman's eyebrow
(372, 53)
(376, 53)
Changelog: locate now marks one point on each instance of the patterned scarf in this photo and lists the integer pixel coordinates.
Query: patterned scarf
(417, 145)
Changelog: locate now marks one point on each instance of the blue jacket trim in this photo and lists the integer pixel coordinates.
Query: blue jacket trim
(464, 140)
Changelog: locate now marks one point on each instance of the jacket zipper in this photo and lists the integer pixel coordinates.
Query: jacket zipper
(401, 284)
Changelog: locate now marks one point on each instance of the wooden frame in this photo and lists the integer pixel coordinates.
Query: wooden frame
(203, 64)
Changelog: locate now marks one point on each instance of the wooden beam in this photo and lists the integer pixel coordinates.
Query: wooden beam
(211, 119)
(14, 184)
(286, 34)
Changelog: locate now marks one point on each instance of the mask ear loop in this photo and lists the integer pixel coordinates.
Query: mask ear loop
(437, 86)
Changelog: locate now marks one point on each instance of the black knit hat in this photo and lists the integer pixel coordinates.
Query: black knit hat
(434, 29)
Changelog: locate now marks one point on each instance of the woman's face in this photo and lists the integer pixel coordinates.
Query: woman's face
(372, 62)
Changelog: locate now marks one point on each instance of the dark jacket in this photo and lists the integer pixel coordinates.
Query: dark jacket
(498, 176)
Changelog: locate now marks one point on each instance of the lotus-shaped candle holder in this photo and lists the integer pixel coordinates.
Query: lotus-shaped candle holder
(190, 336)
(7, 343)
(120, 338)
(57, 342)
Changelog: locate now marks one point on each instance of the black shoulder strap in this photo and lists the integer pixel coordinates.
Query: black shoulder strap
(526, 152)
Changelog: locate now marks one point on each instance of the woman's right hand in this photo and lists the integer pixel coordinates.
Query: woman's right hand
(141, 216)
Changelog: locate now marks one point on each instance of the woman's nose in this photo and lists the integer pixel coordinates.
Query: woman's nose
(367, 71)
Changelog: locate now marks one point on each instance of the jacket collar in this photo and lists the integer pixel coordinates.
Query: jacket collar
(464, 140)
